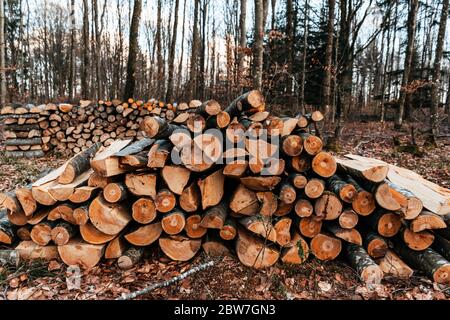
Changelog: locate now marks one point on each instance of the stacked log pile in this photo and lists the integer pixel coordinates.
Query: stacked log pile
(232, 179)
(22, 130)
(33, 130)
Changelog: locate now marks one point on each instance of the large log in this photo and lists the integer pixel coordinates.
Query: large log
(375, 245)
(28, 250)
(251, 101)
(26, 200)
(292, 145)
(418, 241)
(115, 192)
(261, 183)
(312, 144)
(387, 224)
(442, 246)
(62, 211)
(106, 163)
(428, 261)
(173, 222)
(62, 233)
(180, 248)
(63, 192)
(78, 164)
(141, 184)
(108, 218)
(314, 188)
(158, 154)
(364, 203)
(116, 248)
(190, 198)
(304, 208)
(194, 228)
(165, 201)
(346, 191)
(7, 229)
(324, 165)
(393, 265)
(325, 247)
(92, 235)
(269, 203)
(427, 221)
(77, 252)
(41, 233)
(214, 218)
(367, 269)
(310, 226)
(296, 252)
(176, 178)
(328, 206)
(287, 192)
(144, 210)
(83, 194)
(157, 128)
(348, 219)
(244, 201)
(261, 226)
(369, 169)
(130, 258)
(348, 235)
(212, 189)
(145, 235)
(229, 230)
(253, 252)
(282, 228)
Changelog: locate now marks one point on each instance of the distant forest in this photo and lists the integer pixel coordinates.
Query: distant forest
(351, 59)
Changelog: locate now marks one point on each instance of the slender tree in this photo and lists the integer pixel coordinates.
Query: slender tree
(435, 97)
(305, 52)
(258, 48)
(72, 76)
(328, 68)
(194, 53)
(133, 50)
(2, 55)
(412, 21)
(170, 82)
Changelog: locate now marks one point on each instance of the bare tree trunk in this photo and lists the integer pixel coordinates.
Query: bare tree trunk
(194, 54)
(201, 76)
(133, 51)
(435, 97)
(258, 46)
(305, 48)
(274, 13)
(86, 64)
(326, 91)
(72, 76)
(412, 20)
(169, 95)
(159, 57)
(2, 55)
(180, 66)
(242, 41)
(290, 47)
(97, 51)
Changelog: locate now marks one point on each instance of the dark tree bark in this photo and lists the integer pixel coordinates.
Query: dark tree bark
(85, 92)
(258, 49)
(434, 117)
(242, 40)
(72, 75)
(169, 95)
(412, 21)
(194, 53)
(133, 51)
(326, 93)
(159, 56)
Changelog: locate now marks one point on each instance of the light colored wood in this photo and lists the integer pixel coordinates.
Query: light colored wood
(143, 184)
(180, 248)
(108, 218)
(176, 178)
(325, 247)
(367, 168)
(244, 201)
(212, 189)
(92, 235)
(296, 252)
(115, 249)
(393, 265)
(253, 252)
(28, 250)
(145, 235)
(77, 252)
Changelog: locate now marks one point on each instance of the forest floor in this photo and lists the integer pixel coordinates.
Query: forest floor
(228, 279)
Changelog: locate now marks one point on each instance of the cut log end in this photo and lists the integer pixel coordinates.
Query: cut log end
(325, 247)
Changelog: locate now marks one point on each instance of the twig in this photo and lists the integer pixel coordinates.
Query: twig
(166, 283)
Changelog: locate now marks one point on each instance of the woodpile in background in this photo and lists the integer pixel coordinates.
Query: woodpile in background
(22, 130)
(31, 131)
(266, 201)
